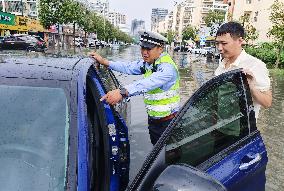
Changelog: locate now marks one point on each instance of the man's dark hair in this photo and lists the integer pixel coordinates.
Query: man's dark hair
(235, 29)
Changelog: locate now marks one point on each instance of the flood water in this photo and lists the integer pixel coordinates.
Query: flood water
(193, 72)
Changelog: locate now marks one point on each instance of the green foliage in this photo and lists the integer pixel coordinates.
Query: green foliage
(189, 32)
(277, 30)
(267, 53)
(170, 35)
(71, 11)
(277, 19)
(251, 33)
(48, 13)
(214, 17)
(276, 71)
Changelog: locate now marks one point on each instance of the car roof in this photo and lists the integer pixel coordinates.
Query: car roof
(39, 68)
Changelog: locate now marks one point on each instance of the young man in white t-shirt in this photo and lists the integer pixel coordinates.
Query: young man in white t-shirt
(229, 41)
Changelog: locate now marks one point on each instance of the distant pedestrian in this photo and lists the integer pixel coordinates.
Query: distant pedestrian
(160, 85)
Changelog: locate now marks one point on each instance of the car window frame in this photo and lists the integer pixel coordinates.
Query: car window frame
(158, 147)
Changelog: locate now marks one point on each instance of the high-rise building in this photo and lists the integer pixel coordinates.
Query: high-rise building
(136, 26)
(258, 13)
(116, 18)
(99, 6)
(158, 14)
(193, 13)
(183, 17)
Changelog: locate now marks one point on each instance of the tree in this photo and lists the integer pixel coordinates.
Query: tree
(214, 17)
(189, 32)
(277, 30)
(170, 36)
(48, 12)
(251, 33)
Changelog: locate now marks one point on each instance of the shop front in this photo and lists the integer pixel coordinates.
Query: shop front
(35, 28)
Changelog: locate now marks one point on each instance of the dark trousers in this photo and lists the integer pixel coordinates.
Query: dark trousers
(156, 128)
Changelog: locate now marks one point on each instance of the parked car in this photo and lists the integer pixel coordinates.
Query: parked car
(213, 53)
(79, 42)
(181, 49)
(196, 51)
(91, 43)
(22, 42)
(56, 134)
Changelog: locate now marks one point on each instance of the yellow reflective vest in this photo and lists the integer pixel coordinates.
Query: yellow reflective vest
(160, 103)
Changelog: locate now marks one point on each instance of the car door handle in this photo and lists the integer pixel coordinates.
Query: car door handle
(245, 166)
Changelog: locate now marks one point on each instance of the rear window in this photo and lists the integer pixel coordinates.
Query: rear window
(34, 125)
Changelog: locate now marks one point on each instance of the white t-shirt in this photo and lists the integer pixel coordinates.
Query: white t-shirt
(256, 66)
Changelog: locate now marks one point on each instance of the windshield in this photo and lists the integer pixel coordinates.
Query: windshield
(34, 126)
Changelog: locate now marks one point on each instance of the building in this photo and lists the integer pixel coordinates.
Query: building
(258, 12)
(158, 15)
(136, 26)
(124, 28)
(193, 13)
(20, 7)
(117, 18)
(183, 14)
(99, 6)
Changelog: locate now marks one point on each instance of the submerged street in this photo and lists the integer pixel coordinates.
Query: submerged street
(194, 71)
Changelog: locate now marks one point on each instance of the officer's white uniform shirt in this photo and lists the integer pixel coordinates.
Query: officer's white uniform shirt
(256, 66)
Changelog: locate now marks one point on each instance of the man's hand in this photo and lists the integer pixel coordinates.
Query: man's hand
(99, 58)
(250, 78)
(112, 97)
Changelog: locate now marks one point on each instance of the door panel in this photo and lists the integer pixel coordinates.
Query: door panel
(215, 132)
(229, 170)
(114, 146)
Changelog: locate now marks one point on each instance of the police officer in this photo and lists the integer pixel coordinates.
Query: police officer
(160, 85)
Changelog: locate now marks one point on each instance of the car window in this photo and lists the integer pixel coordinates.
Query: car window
(34, 125)
(108, 79)
(216, 119)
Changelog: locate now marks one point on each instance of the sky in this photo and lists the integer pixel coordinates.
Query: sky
(140, 9)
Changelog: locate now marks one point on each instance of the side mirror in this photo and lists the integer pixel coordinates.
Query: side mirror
(184, 177)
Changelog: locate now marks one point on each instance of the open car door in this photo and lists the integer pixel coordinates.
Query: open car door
(214, 135)
(103, 157)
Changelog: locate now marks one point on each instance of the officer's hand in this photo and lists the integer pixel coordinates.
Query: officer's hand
(112, 97)
(250, 78)
(99, 58)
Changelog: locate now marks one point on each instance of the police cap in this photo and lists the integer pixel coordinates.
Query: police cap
(151, 39)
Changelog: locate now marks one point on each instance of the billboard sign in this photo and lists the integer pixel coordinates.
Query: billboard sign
(7, 18)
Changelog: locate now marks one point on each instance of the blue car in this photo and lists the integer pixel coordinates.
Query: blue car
(57, 135)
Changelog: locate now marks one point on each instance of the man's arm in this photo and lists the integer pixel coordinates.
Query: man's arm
(264, 98)
(164, 74)
(123, 67)
(99, 59)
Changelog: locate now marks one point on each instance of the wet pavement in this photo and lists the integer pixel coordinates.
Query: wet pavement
(194, 71)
